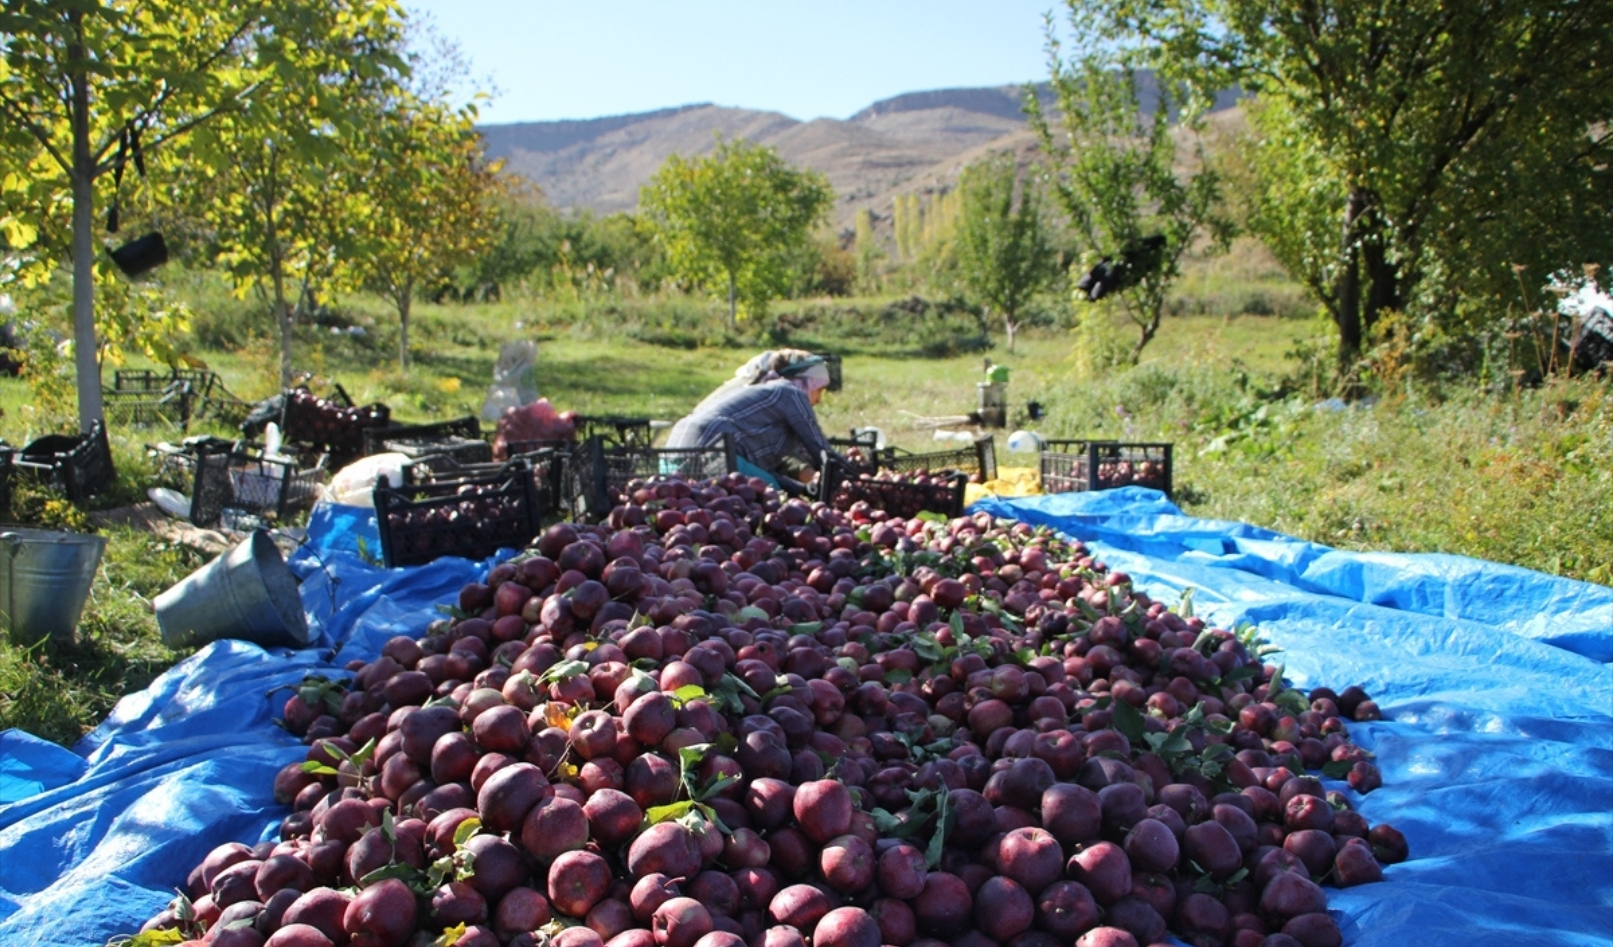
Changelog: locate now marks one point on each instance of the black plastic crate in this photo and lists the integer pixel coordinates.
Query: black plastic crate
(616, 431)
(7, 454)
(841, 487)
(460, 438)
(213, 400)
(474, 517)
(861, 448)
(596, 475)
(245, 480)
(548, 473)
(77, 465)
(169, 406)
(836, 379)
(333, 427)
(1072, 466)
(977, 460)
(176, 463)
(140, 379)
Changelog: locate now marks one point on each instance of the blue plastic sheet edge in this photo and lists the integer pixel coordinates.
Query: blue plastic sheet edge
(1497, 750)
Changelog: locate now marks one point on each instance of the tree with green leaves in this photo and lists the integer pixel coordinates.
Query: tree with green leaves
(427, 203)
(281, 180)
(88, 88)
(1120, 173)
(735, 219)
(1005, 252)
(1405, 154)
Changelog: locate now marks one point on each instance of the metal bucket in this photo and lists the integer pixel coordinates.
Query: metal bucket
(248, 594)
(44, 581)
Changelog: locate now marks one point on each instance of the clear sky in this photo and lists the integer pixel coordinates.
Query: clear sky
(557, 59)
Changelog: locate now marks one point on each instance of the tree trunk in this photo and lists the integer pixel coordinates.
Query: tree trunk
(1383, 278)
(86, 349)
(1347, 313)
(405, 297)
(733, 302)
(1009, 328)
(282, 313)
(1146, 331)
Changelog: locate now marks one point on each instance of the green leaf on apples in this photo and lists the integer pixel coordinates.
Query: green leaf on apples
(898, 676)
(1128, 720)
(739, 685)
(956, 623)
(751, 611)
(465, 830)
(887, 823)
(714, 787)
(727, 743)
(165, 937)
(806, 628)
(655, 815)
(454, 611)
(925, 646)
(317, 768)
(1337, 769)
(408, 874)
(563, 671)
(1184, 607)
(362, 754)
(184, 909)
(945, 820)
(1241, 673)
(929, 516)
(687, 693)
(690, 757)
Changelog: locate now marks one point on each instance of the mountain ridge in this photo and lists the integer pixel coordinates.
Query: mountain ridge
(915, 140)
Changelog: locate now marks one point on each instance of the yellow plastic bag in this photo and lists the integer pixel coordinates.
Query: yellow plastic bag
(1010, 482)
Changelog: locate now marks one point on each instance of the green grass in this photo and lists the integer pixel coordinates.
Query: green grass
(1523, 477)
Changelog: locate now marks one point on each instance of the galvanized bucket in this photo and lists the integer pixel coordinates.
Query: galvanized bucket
(45, 580)
(247, 593)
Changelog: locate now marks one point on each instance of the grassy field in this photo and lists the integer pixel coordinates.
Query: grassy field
(1523, 477)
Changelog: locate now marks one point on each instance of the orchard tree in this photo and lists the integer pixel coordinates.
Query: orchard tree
(1005, 252)
(1118, 171)
(91, 86)
(736, 217)
(280, 179)
(429, 203)
(1406, 152)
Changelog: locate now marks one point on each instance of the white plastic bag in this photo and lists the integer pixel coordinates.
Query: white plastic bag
(514, 384)
(354, 484)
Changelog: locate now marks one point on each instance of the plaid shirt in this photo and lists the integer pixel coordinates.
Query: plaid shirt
(765, 422)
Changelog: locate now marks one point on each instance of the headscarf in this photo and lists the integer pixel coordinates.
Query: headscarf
(767, 366)
(808, 374)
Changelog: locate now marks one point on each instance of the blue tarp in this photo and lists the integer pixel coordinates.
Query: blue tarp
(1497, 754)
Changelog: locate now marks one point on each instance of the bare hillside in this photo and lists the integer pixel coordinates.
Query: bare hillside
(915, 141)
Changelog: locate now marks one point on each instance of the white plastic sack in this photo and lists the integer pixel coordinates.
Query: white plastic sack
(354, 484)
(514, 384)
